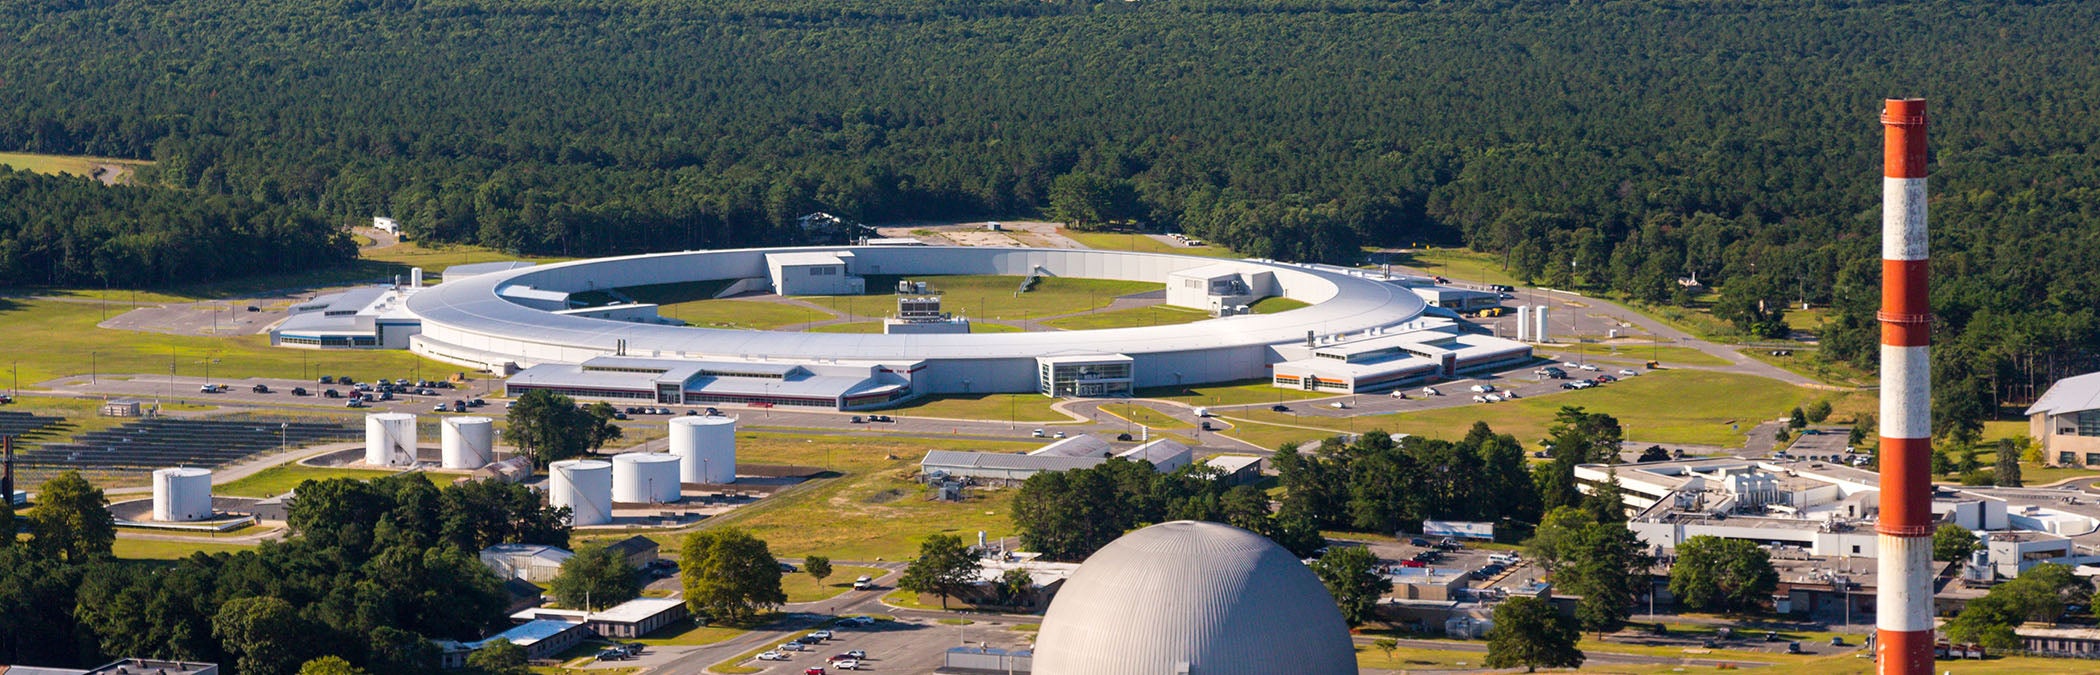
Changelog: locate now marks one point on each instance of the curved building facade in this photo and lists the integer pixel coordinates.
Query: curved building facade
(1193, 597)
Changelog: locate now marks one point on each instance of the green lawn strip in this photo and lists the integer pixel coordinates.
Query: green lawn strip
(1808, 363)
(1150, 315)
(745, 314)
(78, 165)
(1415, 658)
(1633, 351)
(1276, 303)
(1017, 407)
(1121, 241)
(689, 633)
(68, 343)
(1702, 406)
(801, 587)
(993, 296)
(164, 549)
(1458, 263)
(1242, 392)
(1138, 414)
(1272, 437)
(283, 478)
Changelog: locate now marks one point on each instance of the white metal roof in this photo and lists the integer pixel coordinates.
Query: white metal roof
(936, 459)
(1083, 445)
(1343, 301)
(2070, 394)
(1194, 597)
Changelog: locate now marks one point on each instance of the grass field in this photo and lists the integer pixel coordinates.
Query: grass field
(1016, 407)
(1276, 303)
(73, 164)
(1808, 363)
(69, 343)
(283, 478)
(1242, 392)
(160, 549)
(1150, 315)
(746, 314)
(1702, 407)
(687, 633)
(1138, 414)
(1116, 241)
(1270, 436)
(873, 512)
(993, 297)
(801, 587)
(1459, 264)
(1634, 352)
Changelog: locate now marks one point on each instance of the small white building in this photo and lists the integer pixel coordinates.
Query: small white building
(2066, 422)
(632, 619)
(530, 562)
(814, 273)
(1165, 455)
(1218, 288)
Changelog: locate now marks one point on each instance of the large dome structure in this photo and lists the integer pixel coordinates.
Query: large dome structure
(1193, 597)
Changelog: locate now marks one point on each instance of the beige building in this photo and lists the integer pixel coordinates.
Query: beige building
(2066, 422)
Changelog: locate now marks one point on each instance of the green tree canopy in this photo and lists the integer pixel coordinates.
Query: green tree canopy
(499, 657)
(1351, 576)
(944, 567)
(71, 520)
(1731, 575)
(729, 575)
(329, 665)
(595, 578)
(1529, 633)
(817, 566)
(1952, 543)
(265, 633)
(549, 427)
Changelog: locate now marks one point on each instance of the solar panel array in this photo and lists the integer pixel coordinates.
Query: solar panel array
(148, 444)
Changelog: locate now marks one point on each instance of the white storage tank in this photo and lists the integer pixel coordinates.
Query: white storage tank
(645, 478)
(583, 485)
(469, 442)
(181, 495)
(706, 448)
(390, 439)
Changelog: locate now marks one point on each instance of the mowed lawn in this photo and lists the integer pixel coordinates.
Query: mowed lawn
(801, 587)
(1459, 264)
(1016, 407)
(875, 511)
(77, 165)
(1683, 406)
(165, 549)
(1633, 352)
(1121, 241)
(745, 314)
(283, 478)
(67, 342)
(1150, 315)
(1139, 414)
(1242, 392)
(994, 297)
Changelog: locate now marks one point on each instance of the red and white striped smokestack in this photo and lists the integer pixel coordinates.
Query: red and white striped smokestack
(1903, 616)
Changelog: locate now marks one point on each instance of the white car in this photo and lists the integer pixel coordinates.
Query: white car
(1482, 388)
(1398, 394)
(1339, 405)
(1572, 364)
(848, 664)
(773, 656)
(793, 647)
(1509, 395)
(1628, 372)
(1588, 367)
(1494, 398)
(1431, 391)
(1480, 399)
(862, 620)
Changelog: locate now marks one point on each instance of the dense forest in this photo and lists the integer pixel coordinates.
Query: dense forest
(1608, 145)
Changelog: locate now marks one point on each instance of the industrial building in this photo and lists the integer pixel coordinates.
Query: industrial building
(541, 639)
(632, 619)
(1827, 510)
(2066, 422)
(1195, 597)
(1375, 361)
(512, 321)
(530, 562)
(367, 317)
(833, 385)
(1078, 452)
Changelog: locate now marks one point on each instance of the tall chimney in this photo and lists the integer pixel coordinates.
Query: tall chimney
(1903, 616)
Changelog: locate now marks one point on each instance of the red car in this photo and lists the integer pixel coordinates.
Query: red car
(813, 671)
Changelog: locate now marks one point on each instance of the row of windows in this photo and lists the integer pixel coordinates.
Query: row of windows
(515, 389)
(823, 271)
(696, 397)
(2089, 423)
(330, 341)
(2071, 458)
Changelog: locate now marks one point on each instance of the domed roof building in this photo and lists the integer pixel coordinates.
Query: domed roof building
(1193, 597)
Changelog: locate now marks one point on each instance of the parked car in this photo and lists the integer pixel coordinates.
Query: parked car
(1059, 435)
(613, 655)
(848, 664)
(1413, 563)
(355, 403)
(1588, 367)
(1279, 408)
(858, 420)
(711, 412)
(1339, 405)
(1482, 388)
(1628, 372)
(1418, 541)
(863, 583)
(1431, 391)
(1039, 433)
(1493, 398)
(821, 634)
(858, 654)
(327, 379)
(439, 408)
(812, 671)
(793, 647)
(260, 389)
(459, 406)
(1570, 385)
(298, 391)
(1606, 378)
(859, 620)
(773, 656)
(1480, 398)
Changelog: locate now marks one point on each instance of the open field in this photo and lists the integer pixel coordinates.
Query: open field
(875, 511)
(1016, 407)
(69, 343)
(1270, 436)
(1634, 352)
(1118, 241)
(1277, 303)
(993, 297)
(77, 165)
(1243, 392)
(1807, 363)
(687, 633)
(801, 587)
(160, 549)
(1150, 315)
(1457, 263)
(746, 314)
(283, 478)
(1137, 414)
(1703, 407)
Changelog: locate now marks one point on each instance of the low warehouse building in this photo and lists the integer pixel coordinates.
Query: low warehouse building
(530, 562)
(632, 619)
(1383, 361)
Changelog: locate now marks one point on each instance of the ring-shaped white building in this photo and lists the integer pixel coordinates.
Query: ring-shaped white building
(516, 320)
